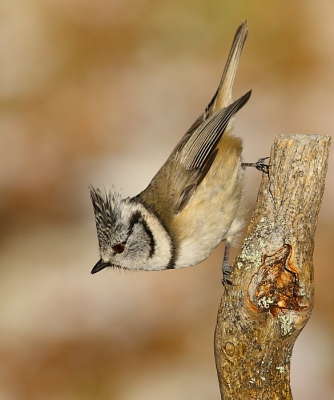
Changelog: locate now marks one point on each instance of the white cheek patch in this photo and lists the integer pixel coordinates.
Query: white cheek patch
(162, 255)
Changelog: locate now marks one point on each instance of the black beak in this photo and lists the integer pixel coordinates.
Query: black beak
(99, 266)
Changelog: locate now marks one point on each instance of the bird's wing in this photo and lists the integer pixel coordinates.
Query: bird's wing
(199, 151)
(196, 152)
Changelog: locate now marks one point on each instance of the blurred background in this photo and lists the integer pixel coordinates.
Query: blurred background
(100, 92)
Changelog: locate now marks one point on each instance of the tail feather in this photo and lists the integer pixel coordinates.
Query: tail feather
(223, 95)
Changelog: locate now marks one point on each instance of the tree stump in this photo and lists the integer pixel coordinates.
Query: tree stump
(262, 314)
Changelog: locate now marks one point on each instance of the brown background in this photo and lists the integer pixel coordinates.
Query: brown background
(100, 91)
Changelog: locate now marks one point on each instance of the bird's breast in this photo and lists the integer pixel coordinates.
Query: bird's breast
(207, 219)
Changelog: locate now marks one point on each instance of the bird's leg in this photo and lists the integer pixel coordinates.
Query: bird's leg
(259, 165)
(226, 268)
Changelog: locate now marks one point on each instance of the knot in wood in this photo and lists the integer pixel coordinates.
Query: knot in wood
(275, 287)
(229, 348)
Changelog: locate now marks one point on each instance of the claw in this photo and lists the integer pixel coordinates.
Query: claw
(259, 165)
(226, 268)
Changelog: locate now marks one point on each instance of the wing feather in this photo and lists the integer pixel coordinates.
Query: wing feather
(203, 141)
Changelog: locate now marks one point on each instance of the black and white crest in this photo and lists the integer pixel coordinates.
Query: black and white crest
(108, 210)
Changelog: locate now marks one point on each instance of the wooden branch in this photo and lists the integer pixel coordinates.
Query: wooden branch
(261, 316)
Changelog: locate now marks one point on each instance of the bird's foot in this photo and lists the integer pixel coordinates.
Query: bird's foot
(259, 165)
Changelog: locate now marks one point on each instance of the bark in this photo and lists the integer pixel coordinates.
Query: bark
(262, 314)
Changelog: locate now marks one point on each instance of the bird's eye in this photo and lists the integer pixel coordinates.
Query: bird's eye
(118, 248)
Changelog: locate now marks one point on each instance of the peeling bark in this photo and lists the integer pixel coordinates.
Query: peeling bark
(262, 314)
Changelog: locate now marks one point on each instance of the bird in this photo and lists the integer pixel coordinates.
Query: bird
(192, 204)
